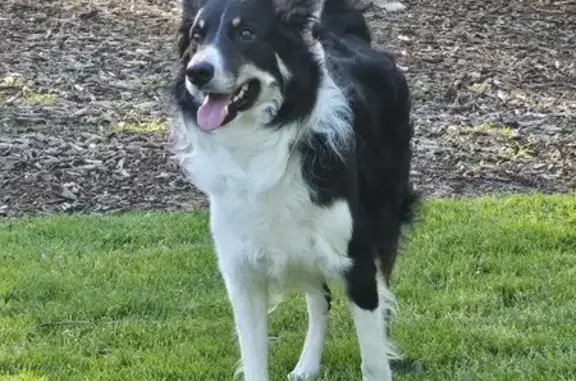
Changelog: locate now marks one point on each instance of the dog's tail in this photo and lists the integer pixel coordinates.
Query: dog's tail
(345, 18)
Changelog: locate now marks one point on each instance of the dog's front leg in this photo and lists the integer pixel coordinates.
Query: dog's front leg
(318, 303)
(248, 295)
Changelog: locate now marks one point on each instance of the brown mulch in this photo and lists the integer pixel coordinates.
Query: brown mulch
(494, 86)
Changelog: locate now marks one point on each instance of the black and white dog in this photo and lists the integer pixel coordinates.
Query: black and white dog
(299, 133)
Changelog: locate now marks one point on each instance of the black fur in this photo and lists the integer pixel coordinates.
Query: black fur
(373, 174)
(374, 177)
(327, 295)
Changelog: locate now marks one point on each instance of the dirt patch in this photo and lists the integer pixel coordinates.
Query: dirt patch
(493, 83)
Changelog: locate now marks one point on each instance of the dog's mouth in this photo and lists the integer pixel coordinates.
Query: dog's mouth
(219, 109)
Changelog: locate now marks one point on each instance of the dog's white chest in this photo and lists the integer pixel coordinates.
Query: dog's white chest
(240, 160)
(282, 234)
(262, 215)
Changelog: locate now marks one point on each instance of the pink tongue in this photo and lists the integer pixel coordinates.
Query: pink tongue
(212, 112)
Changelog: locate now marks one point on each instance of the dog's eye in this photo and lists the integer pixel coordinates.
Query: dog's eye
(245, 35)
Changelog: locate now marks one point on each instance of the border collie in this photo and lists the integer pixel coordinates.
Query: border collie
(298, 131)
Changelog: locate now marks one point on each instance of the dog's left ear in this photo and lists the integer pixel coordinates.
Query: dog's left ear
(304, 14)
(190, 9)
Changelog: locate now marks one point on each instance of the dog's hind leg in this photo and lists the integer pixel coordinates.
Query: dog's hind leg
(318, 305)
(375, 350)
(370, 301)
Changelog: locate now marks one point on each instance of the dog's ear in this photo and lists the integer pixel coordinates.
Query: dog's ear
(302, 13)
(190, 9)
(183, 39)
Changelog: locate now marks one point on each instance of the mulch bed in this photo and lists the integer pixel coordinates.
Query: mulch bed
(494, 87)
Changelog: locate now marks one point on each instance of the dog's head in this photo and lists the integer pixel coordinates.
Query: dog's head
(238, 56)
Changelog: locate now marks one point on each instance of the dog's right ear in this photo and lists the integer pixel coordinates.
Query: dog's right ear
(299, 12)
(190, 9)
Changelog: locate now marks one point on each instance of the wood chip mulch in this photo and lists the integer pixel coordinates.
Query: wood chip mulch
(494, 85)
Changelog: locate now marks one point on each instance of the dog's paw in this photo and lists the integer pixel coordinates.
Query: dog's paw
(303, 373)
(380, 372)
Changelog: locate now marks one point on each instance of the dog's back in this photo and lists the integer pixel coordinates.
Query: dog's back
(343, 19)
(380, 101)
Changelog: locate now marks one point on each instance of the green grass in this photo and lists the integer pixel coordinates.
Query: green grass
(155, 126)
(31, 98)
(486, 290)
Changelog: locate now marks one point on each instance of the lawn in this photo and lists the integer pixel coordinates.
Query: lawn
(486, 291)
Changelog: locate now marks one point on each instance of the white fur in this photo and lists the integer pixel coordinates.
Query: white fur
(268, 234)
(375, 349)
(309, 362)
(332, 115)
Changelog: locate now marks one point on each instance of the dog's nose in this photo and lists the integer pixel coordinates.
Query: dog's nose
(201, 73)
